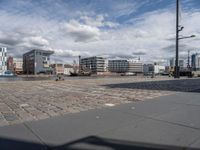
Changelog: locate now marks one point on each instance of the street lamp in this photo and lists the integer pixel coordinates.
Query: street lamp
(178, 29)
(186, 37)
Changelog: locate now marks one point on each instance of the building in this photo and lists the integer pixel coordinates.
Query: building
(118, 66)
(135, 67)
(92, 64)
(58, 69)
(181, 63)
(153, 68)
(10, 64)
(148, 69)
(67, 69)
(37, 61)
(173, 62)
(18, 65)
(3, 60)
(158, 69)
(195, 62)
(123, 66)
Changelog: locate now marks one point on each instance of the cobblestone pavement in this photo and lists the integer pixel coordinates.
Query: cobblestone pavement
(34, 100)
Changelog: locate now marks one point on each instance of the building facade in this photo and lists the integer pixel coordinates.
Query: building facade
(3, 60)
(18, 65)
(10, 64)
(148, 69)
(195, 62)
(118, 66)
(158, 69)
(37, 61)
(172, 63)
(135, 67)
(93, 64)
(123, 66)
(58, 69)
(67, 69)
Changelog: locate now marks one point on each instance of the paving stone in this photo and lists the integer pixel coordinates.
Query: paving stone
(35, 100)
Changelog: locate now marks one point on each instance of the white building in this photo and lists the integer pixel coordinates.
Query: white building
(153, 68)
(68, 69)
(3, 59)
(158, 69)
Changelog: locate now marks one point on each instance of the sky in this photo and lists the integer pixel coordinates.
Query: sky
(114, 29)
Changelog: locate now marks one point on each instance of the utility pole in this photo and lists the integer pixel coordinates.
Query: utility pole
(177, 75)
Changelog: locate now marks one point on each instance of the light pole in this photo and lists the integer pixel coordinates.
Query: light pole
(177, 38)
(178, 29)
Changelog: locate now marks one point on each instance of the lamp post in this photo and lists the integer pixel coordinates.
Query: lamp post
(178, 29)
(177, 38)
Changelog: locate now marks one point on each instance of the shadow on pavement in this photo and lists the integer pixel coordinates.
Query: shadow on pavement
(183, 85)
(87, 143)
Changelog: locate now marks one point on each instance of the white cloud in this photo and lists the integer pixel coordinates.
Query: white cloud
(98, 21)
(38, 40)
(81, 32)
(91, 34)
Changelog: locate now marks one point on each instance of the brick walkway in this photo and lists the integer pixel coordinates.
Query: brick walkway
(34, 100)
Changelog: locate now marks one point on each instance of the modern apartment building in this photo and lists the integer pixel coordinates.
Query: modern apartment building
(3, 60)
(37, 61)
(195, 62)
(93, 64)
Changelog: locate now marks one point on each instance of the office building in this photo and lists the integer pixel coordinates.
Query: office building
(123, 66)
(3, 60)
(153, 68)
(118, 66)
(148, 69)
(37, 61)
(92, 64)
(135, 67)
(172, 62)
(195, 62)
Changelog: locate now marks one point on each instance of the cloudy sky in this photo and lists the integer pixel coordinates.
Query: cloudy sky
(109, 28)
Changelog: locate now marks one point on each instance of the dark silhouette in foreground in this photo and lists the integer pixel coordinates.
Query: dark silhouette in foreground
(87, 143)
